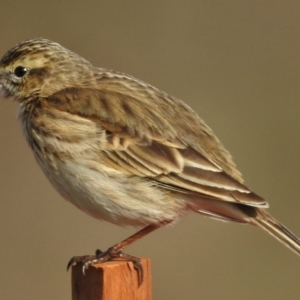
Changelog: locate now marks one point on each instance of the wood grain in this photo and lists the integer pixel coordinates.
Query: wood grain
(114, 280)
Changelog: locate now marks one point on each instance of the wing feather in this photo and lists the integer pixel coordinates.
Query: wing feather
(171, 146)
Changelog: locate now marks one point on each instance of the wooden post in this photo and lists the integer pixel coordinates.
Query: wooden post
(115, 280)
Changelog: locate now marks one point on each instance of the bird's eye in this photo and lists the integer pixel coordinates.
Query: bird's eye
(20, 71)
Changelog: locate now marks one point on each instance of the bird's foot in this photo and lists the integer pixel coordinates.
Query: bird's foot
(109, 255)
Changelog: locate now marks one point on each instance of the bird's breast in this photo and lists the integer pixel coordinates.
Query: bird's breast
(69, 150)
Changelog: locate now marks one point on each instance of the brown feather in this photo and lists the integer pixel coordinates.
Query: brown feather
(146, 151)
(174, 123)
(120, 149)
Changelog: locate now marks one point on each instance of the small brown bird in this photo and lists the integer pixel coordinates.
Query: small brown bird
(123, 151)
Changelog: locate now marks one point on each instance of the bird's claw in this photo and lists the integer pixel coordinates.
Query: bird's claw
(110, 255)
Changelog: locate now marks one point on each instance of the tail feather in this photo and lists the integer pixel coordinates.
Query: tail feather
(265, 221)
(226, 211)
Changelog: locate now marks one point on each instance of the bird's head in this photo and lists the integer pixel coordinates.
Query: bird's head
(39, 68)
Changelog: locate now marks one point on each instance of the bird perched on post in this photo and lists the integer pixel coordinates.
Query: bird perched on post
(123, 151)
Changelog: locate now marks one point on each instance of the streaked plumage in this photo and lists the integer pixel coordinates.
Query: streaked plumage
(120, 149)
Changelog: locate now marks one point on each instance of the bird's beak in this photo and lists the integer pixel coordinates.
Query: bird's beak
(1, 81)
(1, 75)
(2, 93)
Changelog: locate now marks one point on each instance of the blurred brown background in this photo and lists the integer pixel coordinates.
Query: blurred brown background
(237, 63)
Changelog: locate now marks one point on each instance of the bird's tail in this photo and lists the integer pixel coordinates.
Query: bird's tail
(265, 221)
(227, 211)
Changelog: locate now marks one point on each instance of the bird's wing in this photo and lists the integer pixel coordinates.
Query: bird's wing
(145, 138)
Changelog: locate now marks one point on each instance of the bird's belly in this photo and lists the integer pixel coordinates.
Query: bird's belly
(110, 196)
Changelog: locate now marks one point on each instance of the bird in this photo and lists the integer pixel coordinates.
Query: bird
(123, 151)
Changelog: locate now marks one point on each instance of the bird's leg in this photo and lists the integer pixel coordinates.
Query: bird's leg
(115, 252)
